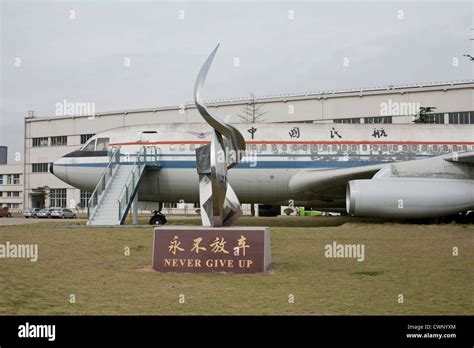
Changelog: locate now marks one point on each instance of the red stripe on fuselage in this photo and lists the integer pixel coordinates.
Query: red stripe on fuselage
(305, 142)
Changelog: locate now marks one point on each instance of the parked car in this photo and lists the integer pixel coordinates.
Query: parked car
(31, 212)
(4, 212)
(62, 213)
(44, 213)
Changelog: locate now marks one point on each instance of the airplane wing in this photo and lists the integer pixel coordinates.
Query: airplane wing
(464, 157)
(328, 183)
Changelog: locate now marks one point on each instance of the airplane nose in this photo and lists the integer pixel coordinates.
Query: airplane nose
(51, 168)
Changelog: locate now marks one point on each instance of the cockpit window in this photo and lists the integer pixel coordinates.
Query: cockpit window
(90, 146)
(102, 144)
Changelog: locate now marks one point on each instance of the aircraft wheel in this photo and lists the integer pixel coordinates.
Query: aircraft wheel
(158, 220)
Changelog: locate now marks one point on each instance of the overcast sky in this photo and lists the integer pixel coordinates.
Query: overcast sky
(81, 59)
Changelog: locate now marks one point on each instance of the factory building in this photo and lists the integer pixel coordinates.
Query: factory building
(11, 187)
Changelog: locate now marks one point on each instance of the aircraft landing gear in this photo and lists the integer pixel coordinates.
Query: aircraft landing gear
(158, 218)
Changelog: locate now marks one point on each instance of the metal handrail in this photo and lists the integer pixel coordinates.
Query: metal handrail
(108, 173)
(132, 180)
(130, 184)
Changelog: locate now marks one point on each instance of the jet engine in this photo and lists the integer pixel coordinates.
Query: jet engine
(409, 197)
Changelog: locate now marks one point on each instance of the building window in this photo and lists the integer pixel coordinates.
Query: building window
(170, 205)
(85, 137)
(13, 179)
(85, 196)
(1, 179)
(13, 194)
(347, 120)
(39, 167)
(13, 205)
(461, 117)
(57, 198)
(40, 142)
(59, 141)
(378, 119)
(436, 118)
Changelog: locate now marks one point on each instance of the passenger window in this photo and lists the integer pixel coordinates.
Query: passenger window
(445, 148)
(90, 146)
(102, 144)
(274, 148)
(414, 147)
(263, 148)
(424, 148)
(294, 147)
(314, 148)
(464, 148)
(375, 147)
(384, 148)
(344, 147)
(405, 148)
(364, 147)
(284, 147)
(325, 148)
(182, 147)
(455, 148)
(334, 148)
(192, 147)
(395, 148)
(435, 148)
(171, 147)
(305, 147)
(354, 147)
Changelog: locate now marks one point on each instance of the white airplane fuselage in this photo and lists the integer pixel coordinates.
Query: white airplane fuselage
(275, 153)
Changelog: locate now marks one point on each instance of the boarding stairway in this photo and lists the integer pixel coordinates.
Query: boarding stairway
(113, 196)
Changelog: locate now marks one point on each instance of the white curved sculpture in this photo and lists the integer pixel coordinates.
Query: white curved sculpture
(219, 203)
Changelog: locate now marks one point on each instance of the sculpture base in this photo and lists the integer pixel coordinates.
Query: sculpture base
(197, 249)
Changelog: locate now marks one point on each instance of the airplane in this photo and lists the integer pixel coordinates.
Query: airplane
(409, 171)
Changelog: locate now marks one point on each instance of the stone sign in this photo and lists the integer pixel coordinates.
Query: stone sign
(197, 249)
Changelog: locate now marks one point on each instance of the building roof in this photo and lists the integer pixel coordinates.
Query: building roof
(407, 88)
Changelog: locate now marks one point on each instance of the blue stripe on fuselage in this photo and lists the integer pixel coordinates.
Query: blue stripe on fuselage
(258, 165)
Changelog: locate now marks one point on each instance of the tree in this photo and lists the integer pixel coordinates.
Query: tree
(251, 112)
(423, 115)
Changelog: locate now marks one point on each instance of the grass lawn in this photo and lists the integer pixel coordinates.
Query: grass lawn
(413, 260)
